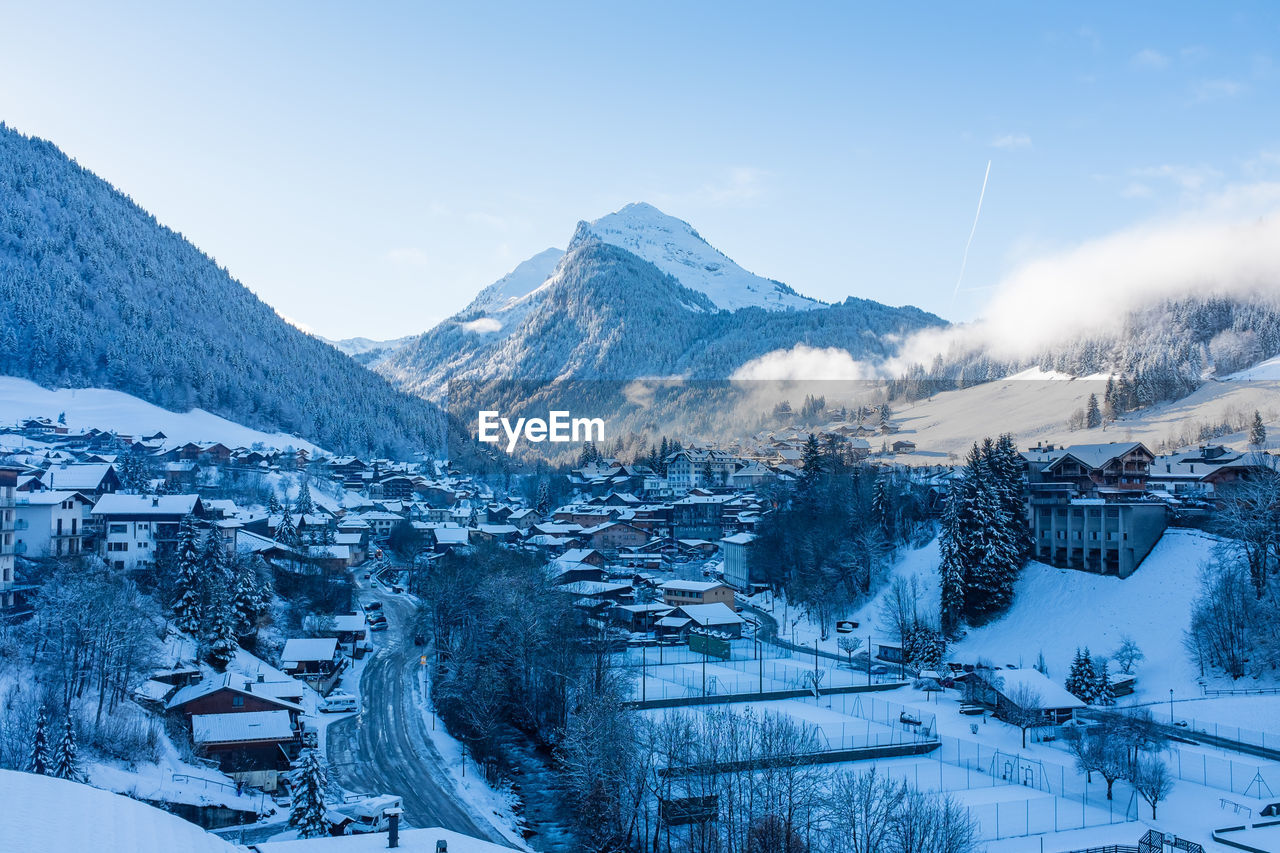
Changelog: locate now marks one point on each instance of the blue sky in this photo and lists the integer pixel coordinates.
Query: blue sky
(367, 169)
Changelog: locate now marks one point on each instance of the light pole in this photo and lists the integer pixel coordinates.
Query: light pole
(1171, 706)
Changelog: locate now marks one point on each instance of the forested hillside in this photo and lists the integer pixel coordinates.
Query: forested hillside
(95, 292)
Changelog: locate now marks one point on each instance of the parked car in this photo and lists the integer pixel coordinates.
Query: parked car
(372, 605)
(378, 626)
(336, 703)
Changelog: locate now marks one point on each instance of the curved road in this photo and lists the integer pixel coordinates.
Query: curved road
(387, 748)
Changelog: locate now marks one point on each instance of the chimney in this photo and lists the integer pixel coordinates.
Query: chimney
(262, 676)
(155, 501)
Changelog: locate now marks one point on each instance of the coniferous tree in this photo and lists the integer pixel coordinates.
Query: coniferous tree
(304, 505)
(65, 765)
(310, 781)
(273, 505)
(1257, 432)
(880, 505)
(286, 533)
(1092, 416)
(1104, 693)
(190, 587)
(245, 598)
(39, 761)
(811, 465)
(222, 630)
(952, 566)
(1082, 680)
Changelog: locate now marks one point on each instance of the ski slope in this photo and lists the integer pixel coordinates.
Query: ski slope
(87, 408)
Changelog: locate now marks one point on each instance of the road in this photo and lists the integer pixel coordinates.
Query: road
(387, 748)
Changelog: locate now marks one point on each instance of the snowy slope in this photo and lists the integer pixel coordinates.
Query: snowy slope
(518, 283)
(673, 246)
(1269, 369)
(86, 408)
(1055, 610)
(47, 814)
(361, 346)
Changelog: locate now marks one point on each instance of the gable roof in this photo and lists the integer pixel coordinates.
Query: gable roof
(146, 505)
(302, 649)
(230, 682)
(1094, 456)
(245, 726)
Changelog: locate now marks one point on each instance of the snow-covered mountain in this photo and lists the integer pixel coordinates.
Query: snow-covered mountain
(673, 246)
(637, 294)
(95, 293)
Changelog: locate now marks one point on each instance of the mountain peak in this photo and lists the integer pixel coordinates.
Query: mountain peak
(673, 246)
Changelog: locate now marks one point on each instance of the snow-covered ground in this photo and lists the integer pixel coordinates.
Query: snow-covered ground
(86, 408)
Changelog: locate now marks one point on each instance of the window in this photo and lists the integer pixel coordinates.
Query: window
(118, 528)
(117, 546)
(237, 701)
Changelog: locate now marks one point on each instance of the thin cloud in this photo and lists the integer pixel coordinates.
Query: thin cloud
(1012, 141)
(1205, 91)
(1150, 59)
(1188, 178)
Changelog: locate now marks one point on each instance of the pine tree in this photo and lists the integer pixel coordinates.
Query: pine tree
(1092, 416)
(1258, 432)
(222, 630)
(286, 533)
(65, 765)
(245, 598)
(39, 761)
(1082, 681)
(273, 505)
(811, 465)
(880, 505)
(1103, 693)
(310, 781)
(952, 567)
(304, 505)
(189, 584)
(1109, 405)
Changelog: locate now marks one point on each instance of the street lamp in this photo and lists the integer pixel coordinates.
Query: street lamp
(1171, 706)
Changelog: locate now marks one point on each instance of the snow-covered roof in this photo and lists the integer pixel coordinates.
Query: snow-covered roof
(229, 681)
(146, 505)
(689, 586)
(78, 477)
(1052, 695)
(411, 841)
(55, 815)
(302, 649)
(242, 726)
(740, 539)
(711, 614)
(349, 622)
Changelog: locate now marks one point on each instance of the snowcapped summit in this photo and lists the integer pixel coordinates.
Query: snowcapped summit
(520, 282)
(673, 246)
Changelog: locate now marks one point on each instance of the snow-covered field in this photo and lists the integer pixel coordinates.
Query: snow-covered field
(87, 408)
(1035, 406)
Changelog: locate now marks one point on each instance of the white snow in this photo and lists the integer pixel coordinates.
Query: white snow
(86, 408)
(57, 816)
(673, 246)
(518, 283)
(1269, 369)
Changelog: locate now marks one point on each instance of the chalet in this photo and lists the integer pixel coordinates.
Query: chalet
(678, 593)
(313, 656)
(598, 591)
(717, 617)
(138, 529)
(1001, 690)
(329, 558)
(523, 519)
(448, 537)
(903, 446)
(695, 468)
(1087, 508)
(89, 479)
(640, 617)
(232, 694)
(50, 524)
(253, 748)
(614, 535)
(181, 475)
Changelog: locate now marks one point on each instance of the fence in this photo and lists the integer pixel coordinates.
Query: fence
(1238, 777)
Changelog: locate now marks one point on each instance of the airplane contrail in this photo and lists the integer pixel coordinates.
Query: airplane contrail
(965, 258)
